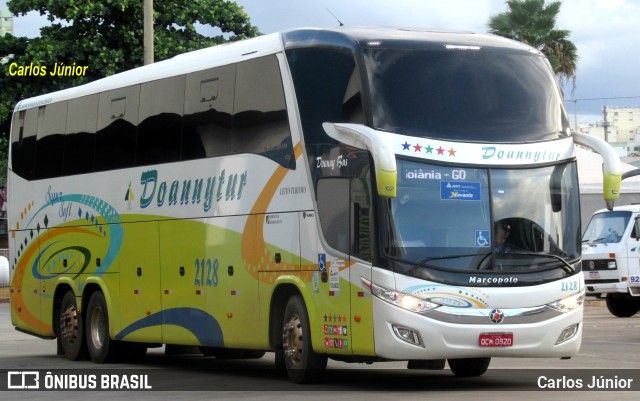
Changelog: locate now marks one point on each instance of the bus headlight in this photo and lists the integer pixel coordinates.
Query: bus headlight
(569, 303)
(401, 299)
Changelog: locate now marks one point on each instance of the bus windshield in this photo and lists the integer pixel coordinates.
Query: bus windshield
(606, 227)
(471, 95)
(469, 219)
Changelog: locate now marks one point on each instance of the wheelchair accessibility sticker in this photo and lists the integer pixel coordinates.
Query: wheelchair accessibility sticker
(483, 238)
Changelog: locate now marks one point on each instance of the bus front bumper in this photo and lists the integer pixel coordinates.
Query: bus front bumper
(404, 335)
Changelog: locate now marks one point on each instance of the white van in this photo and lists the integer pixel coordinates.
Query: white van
(611, 258)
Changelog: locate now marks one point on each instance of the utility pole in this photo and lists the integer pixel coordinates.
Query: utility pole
(148, 32)
(605, 125)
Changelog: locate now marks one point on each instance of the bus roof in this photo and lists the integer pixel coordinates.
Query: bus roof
(365, 36)
(181, 64)
(268, 44)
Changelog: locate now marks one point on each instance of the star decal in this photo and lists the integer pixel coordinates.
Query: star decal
(440, 151)
(452, 152)
(406, 146)
(417, 147)
(429, 149)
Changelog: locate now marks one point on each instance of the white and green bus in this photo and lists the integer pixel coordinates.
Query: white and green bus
(317, 193)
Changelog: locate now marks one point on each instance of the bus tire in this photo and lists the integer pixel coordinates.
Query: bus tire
(302, 364)
(622, 306)
(469, 367)
(101, 348)
(70, 328)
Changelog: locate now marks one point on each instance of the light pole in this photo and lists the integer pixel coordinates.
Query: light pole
(575, 113)
(148, 32)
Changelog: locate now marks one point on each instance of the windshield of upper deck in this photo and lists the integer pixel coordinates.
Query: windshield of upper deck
(479, 95)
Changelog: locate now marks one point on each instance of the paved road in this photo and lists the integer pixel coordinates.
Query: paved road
(609, 345)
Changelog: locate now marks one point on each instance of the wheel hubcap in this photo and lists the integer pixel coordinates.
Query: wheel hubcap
(292, 339)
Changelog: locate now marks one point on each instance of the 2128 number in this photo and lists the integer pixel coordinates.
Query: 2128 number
(210, 267)
(569, 286)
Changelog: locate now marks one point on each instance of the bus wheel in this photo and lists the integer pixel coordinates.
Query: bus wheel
(622, 306)
(69, 328)
(469, 367)
(101, 347)
(302, 364)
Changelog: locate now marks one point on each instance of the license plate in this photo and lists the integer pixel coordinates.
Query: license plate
(594, 274)
(495, 339)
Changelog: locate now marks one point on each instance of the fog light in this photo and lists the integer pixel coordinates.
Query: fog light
(408, 335)
(567, 333)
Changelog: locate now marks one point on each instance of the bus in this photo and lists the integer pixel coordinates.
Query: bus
(335, 193)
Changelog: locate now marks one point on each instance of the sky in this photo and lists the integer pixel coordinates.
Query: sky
(606, 33)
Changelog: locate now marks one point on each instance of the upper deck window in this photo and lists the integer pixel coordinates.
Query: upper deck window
(478, 95)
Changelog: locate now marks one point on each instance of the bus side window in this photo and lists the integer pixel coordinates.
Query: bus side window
(23, 144)
(160, 128)
(80, 138)
(117, 128)
(52, 125)
(260, 121)
(333, 197)
(208, 106)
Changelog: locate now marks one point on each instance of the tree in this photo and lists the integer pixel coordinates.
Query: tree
(107, 37)
(532, 22)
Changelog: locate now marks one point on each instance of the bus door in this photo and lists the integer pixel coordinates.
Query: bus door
(361, 251)
(333, 292)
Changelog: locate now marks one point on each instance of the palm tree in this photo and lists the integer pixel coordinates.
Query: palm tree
(532, 22)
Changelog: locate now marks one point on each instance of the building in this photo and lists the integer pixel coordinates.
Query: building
(6, 22)
(620, 127)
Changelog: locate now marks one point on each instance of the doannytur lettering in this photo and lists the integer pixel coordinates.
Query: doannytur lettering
(492, 152)
(190, 191)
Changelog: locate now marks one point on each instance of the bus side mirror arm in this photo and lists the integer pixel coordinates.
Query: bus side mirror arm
(611, 166)
(637, 228)
(378, 143)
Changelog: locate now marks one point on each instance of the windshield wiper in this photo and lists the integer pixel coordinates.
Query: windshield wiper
(423, 262)
(566, 266)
